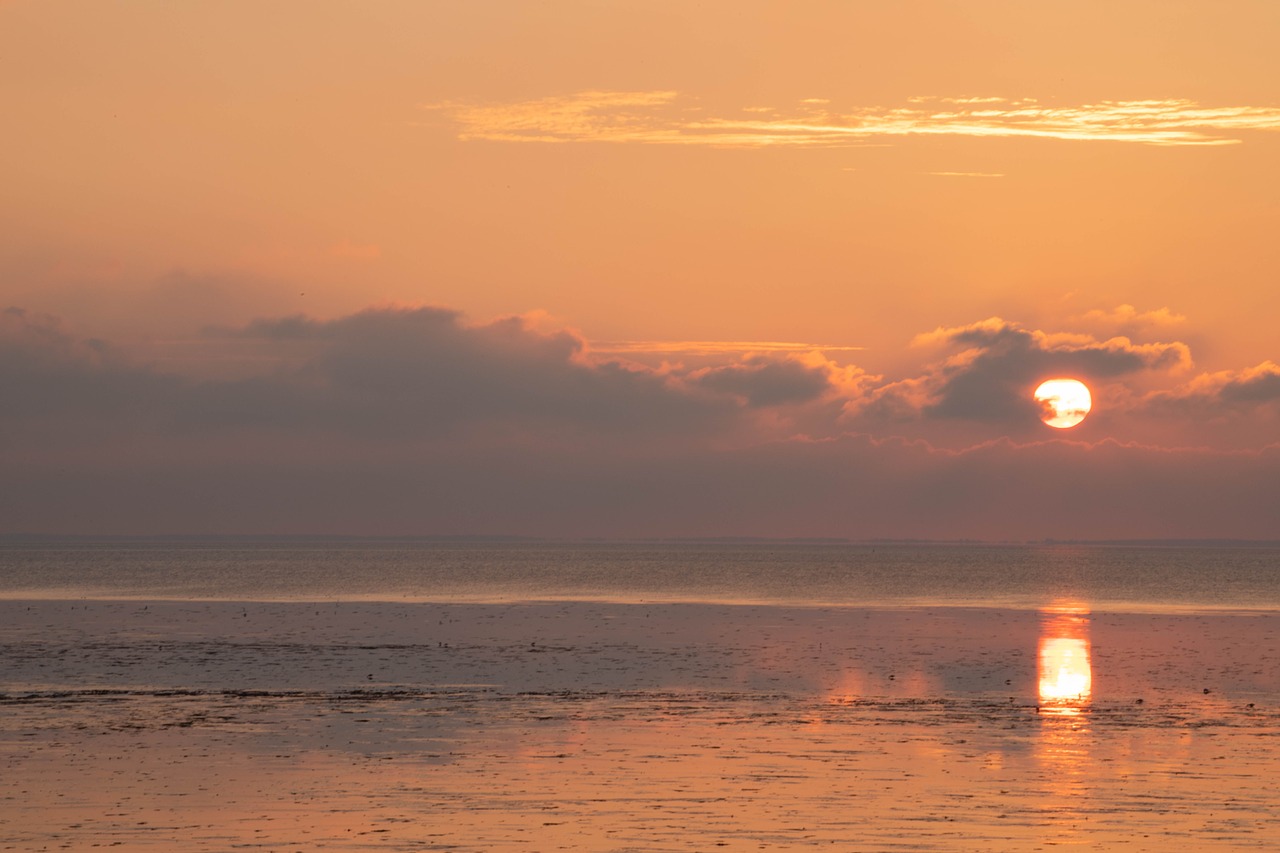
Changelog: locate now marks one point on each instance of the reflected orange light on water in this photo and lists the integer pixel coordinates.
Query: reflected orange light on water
(1066, 674)
(1065, 744)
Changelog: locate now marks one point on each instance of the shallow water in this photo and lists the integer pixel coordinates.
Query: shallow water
(1103, 577)
(206, 696)
(201, 726)
(684, 771)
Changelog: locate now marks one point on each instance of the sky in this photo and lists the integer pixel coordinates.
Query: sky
(639, 269)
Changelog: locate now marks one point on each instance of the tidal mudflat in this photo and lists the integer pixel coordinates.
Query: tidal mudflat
(609, 726)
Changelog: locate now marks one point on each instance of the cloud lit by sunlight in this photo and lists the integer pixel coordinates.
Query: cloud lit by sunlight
(1127, 315)
(671, 118)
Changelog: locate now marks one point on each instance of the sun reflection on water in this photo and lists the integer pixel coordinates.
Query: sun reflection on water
(1064, 745)
(1066, 674)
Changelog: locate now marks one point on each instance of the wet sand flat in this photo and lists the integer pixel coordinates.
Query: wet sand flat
(588, 726)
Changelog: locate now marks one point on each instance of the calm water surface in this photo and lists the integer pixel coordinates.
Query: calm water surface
(1116, 577)
(373, 722)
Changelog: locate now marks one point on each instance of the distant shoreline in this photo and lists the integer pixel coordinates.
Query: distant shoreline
(503, 539)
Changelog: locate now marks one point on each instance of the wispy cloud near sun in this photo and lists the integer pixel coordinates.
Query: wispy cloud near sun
(672, 118)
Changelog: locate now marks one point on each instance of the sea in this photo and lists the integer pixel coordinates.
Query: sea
(204, 695)
(1120, 577)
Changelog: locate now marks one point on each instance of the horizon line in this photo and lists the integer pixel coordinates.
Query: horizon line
(1199, 541)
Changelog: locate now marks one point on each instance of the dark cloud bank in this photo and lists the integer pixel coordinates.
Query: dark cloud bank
(410, 421)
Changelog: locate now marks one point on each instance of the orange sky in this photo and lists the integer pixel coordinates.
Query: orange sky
(821, 223)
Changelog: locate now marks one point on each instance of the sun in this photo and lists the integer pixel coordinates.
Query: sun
(1063, 402)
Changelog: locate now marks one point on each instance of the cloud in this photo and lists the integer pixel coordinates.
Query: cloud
(1221, 392)
(413, 420)
(1260, 384)
(670, 118)
(1129, 320)
(53, 381)
(39, 342)
(405, 372)
(400, 374)
(995, 364)
(716, 347)
(426, 369)
(408, 374)
(765, 381)
(583, 116)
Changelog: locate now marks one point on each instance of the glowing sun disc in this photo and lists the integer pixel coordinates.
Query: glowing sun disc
(1063, 402)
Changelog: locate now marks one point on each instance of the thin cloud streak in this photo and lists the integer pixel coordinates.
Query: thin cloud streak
(1127, 315)
(670, 118)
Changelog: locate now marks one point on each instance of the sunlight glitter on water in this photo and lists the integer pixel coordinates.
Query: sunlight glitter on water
(1065, 668)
